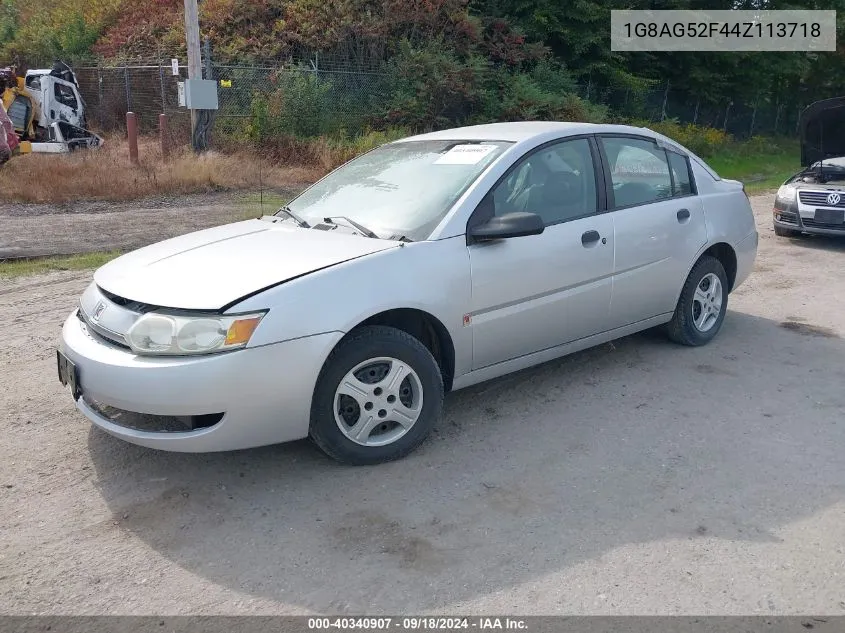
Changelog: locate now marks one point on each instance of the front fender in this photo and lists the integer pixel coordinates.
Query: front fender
(433, 277)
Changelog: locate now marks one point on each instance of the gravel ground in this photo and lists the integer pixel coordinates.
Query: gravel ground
(33, 230)
(634, 478)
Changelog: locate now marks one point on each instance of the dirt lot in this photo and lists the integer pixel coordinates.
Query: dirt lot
(638, 477)
(34, 230)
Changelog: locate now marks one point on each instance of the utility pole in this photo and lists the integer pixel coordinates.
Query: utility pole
(192, 34)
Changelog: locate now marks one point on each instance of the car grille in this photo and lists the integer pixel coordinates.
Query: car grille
(819, 198)
(129, 304)
(152, 423)
(809, 222)
(100, 333)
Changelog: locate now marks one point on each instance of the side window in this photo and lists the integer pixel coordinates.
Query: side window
(639, 171)
(681, 177)
(557, 183)
(64, 95)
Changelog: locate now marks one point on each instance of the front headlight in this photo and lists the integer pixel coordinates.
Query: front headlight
(785, 196)
(181, 335)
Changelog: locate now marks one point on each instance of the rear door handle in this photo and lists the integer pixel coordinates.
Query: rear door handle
(683, 214)
(590, 237)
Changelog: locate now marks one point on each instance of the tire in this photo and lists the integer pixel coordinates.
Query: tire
(684, 328)
(781, 232)
(354, 388)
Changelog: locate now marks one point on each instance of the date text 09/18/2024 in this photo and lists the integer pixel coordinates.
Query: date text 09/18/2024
(422, 623)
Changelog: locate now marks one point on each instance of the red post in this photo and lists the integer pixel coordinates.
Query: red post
(162, 136)
(132, 135)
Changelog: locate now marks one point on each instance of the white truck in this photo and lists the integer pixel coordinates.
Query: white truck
(48, 111)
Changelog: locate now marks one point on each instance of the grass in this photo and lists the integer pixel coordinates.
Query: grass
(36, 265)
(255, 204)
(107, 174)
(283, 163)
(760, 169)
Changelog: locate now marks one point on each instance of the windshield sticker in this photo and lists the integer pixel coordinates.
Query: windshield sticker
(465, 155)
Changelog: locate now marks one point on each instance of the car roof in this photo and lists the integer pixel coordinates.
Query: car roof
(525, 131)
(522, 131)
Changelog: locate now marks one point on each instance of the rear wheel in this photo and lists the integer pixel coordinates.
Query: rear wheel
(702, 305)
(781, 232)
(377, 398)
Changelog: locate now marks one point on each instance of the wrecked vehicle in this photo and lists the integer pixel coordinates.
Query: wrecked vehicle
(813, 200)
(47, 110)
(8, 138)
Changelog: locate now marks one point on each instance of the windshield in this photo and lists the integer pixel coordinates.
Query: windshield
(400, 189)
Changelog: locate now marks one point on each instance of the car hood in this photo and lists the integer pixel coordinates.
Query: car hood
(210, 269)
(822, 129)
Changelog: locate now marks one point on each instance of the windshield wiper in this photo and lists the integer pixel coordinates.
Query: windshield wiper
(358, 227)
(299, 221)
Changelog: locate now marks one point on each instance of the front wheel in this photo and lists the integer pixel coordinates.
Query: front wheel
(702, 305)
(377, 398)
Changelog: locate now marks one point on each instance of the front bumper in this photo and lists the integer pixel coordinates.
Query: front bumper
(264, 393)
(803, 227)
(802, 218)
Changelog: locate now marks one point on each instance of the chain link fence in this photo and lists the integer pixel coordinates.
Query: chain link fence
(309, 100)
(660, 102)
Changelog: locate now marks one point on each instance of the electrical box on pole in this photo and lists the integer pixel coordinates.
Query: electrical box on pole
(201, 94)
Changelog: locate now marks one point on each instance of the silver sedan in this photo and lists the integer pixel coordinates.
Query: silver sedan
(424, 266)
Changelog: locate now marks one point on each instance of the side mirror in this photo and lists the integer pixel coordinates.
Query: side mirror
(516, 224)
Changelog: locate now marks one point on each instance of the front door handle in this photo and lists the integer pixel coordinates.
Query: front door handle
(683, 214)
(590, 237)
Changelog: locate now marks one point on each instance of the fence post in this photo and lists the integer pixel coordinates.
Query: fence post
(128, 90)
(665, 98)
(161, 86)
(695, 114)
(132, 135)
(162, 136)
(753, 118)
(725, 123)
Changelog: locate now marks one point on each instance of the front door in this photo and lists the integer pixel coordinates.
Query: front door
(60, 101)
(536, 292)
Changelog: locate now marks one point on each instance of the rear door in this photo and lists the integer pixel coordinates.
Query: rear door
(658, 225)
(536, 292)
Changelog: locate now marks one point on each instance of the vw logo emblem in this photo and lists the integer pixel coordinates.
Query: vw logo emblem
(98, 311)
(833, 199)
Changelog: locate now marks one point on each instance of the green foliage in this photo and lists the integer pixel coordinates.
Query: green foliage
(545, 93)
(75, 39)
(701, 140)
(431, 87)
(300, 105)
(761, 164)
(9, 17)
(38, 32)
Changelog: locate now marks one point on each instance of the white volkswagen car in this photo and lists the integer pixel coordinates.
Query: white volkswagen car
(427, 265)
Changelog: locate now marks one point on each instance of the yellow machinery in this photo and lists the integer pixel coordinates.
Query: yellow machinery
(20, 106)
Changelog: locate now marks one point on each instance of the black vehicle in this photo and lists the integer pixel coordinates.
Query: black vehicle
(813, 200)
